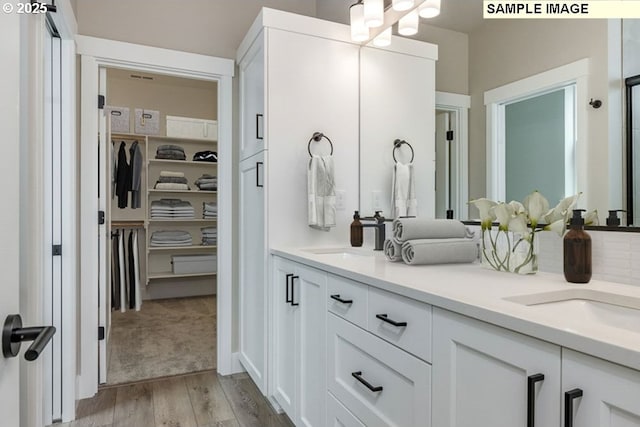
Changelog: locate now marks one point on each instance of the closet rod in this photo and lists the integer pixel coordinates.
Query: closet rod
(127, 224)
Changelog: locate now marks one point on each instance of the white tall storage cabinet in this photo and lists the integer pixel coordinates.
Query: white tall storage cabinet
(298, 75)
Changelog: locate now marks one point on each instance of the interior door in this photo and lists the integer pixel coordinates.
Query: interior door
(9, 218)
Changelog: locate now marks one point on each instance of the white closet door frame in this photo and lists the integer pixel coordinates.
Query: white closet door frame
(96, 53)
(103, 205)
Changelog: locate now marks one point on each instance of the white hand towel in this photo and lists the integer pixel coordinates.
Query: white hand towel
(321, 193)
(403, 191)
(393, 250)
(172, 174)
(439, 251)
(404, 229)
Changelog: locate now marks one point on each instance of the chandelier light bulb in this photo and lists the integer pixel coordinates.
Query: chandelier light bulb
(429, 9)
(359, 31)
(383, 39)
(401, 5)
(373, 13)
(408, 24)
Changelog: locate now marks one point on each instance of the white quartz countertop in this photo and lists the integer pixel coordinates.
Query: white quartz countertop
(477, 292)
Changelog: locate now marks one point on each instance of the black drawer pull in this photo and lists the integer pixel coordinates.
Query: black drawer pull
(384, 318)
(569, 397)
(531, 398)
(343, 301)
(289, 299)
(293, 286)
(358, 375)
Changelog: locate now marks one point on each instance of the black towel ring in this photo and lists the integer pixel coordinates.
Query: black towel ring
(317, 137)
(396, 144)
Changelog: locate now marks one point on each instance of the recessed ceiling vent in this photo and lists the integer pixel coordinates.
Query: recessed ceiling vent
(140, 77)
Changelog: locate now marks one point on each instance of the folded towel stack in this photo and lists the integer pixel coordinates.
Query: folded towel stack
(171, 238)
(207, 182)
(209, 236)
(430, 241)
(171, 209)
(209, 210)
(170, 152)
(205, 156)
(169, 180)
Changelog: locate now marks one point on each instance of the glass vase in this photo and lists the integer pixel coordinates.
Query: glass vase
(502, 250)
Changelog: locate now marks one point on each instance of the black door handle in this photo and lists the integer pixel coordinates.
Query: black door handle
(258, 164)
(13, 334)
(384, 318)
(358, 375)
(531, 398)
(569, 397)
(289, 276)
(343, 301)
(293, 286)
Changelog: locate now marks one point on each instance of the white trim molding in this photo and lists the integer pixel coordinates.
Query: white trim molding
(495, 100)
(97, 53)
(460, 105)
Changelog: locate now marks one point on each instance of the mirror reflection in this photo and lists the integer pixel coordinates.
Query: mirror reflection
(559, 142)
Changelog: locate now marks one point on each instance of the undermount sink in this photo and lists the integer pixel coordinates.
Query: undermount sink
(617, 311)
(344, 253)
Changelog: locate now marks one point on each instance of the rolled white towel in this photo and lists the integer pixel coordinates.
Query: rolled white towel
(439, 251)
(418, 228)
(392, 250)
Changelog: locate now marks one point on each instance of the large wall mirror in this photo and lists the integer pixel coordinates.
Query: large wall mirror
(500, 53)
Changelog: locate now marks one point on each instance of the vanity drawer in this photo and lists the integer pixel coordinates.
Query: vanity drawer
(339, 416)
(415, 336)
(354, 295)
(358, 362)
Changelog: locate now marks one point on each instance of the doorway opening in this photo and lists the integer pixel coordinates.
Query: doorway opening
(158, 253)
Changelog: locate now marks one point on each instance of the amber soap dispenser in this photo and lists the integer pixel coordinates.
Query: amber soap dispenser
(356, 230)
(577, 251)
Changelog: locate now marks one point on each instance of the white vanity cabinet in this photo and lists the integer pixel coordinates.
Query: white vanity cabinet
(610, 393)
(488, 376)
(299, 336)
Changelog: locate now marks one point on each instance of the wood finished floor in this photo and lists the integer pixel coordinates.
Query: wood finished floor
(199, 400)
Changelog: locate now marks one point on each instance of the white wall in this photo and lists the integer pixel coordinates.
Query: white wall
(207, 27)
(503, 51)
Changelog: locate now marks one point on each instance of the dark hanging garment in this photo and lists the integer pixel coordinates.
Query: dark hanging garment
(132, 272)
(115, 273)
(135, 154)
(123, 177)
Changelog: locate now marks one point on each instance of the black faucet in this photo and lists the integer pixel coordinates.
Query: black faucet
(380, 229)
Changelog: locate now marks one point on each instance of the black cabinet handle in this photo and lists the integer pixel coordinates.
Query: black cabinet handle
(293, 286)
(258, 164)
(569, 397)
(384, 318)
(358, 375)
(13, 335)
(531, 398)
(343, 301)
(289, 299)
(259, 126)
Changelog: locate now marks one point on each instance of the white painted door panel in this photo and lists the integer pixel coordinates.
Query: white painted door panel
(284, 337)
(252, 280)
(10, 217)
(252, 82)
(311, 287)
(610, 392)
(405, 398)
(480, 373)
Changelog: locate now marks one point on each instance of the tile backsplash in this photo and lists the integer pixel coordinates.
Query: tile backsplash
(616, 255)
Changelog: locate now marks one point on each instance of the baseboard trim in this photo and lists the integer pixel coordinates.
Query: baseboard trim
(236, 366)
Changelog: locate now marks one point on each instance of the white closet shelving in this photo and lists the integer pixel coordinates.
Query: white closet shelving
(159, 259)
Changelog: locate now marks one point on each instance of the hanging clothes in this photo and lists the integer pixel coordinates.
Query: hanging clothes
(136, 264)
(135, 169)
(132, 272)
(123, 268)
(114, 169)
(115, 272)
(123, 180)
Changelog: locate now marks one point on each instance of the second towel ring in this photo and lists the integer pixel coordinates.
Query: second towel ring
(317, 137)
(396, 144)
